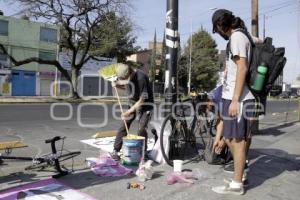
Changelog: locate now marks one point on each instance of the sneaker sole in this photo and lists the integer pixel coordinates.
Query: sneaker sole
(229, 192)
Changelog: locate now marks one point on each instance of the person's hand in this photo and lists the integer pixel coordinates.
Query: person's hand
(114, 83)
(218, 146)
(125, 115)
(233, 109)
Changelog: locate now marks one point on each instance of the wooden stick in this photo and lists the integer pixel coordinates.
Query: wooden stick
(126, 127)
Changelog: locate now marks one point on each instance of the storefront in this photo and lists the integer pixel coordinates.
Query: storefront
(5, 82)
(23, 83)
(47, 80)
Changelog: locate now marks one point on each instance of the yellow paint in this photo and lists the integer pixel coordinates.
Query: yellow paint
(5, 88)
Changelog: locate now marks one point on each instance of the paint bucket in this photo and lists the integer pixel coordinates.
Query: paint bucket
(132, 149)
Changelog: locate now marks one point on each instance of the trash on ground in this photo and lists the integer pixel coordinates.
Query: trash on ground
(177, 165)
(181, 177)
(145, 171)
(135, 185)
(202, 174)
(105, 166)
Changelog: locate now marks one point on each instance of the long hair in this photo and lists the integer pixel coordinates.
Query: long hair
(229, 21)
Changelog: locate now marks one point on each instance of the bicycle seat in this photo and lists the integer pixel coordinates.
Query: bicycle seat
(56, 138)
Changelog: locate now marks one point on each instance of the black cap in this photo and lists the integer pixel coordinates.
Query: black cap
(217, 15)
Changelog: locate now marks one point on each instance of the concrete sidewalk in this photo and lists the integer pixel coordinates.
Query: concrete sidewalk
(46, 99)
(274, 173)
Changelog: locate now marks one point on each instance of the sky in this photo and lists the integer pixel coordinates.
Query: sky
(282, 22)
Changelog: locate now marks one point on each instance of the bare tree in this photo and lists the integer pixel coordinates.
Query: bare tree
(78, 20)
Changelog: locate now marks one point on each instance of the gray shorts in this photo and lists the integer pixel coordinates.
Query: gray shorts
(238, 127)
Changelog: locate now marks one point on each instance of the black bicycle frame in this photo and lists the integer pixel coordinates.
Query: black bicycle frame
(57, 166)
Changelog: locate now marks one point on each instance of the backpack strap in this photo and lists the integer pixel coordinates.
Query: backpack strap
(228, 50)
(246, 33)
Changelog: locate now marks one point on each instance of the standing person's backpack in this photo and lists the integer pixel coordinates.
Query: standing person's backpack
(266, 54)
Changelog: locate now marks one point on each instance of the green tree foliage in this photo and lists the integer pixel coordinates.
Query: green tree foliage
(204, 73)
(113, 38)
(86, 25)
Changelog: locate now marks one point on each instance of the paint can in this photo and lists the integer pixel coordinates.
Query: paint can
(132, 149)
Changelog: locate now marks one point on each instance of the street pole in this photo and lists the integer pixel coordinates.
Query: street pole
(254, 21)
(171, 57)
(254, 31)
(264, 31)
(190, 66)
(191, 49)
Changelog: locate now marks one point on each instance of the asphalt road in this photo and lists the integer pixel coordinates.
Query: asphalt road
(72, 112)
(273, 163)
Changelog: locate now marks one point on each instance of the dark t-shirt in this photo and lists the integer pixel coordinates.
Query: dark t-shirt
(140, 86)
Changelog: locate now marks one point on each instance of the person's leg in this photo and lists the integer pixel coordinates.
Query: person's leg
(233, 131)
(239, 159)
(143, 123)
(248, 143)
(122, 133)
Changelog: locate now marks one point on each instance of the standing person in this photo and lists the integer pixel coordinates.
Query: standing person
(236, 96)
(141, 101)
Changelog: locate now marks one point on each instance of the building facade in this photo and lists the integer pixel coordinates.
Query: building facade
(24, 39)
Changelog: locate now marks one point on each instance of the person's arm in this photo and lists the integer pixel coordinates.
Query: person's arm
(144, 94)
(219, 143)
(137, 105)
(239, 85)
(239, 46)
(118, 84)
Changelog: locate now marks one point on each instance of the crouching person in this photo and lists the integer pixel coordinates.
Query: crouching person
(141, 102)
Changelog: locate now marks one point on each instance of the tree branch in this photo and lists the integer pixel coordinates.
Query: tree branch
(37, 60)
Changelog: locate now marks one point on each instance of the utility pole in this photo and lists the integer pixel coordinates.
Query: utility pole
(264, 31)
(254, 21)
(254, 31)
(171, 57)
(190, 65)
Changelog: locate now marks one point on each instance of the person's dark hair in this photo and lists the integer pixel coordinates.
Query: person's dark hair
(226, 20)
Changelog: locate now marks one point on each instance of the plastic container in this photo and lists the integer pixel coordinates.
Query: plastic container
(132, 150)
(177, 165)
(260, 77)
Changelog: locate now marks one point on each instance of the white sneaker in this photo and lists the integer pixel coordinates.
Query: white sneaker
(226, 189)
(245, 181)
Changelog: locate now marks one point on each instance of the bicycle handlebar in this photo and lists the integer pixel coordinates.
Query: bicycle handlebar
(56, 138)
(56, 161)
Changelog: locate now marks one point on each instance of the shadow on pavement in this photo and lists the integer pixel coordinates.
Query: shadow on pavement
(19, 177)
(270, 163)
(276, 130)
(85, 179)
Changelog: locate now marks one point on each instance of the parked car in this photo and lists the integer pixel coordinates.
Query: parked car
(284, 95)
(293, 96)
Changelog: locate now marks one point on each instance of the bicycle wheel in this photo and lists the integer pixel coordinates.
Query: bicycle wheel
(172, 139)
(47, 160)
(38, 164)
